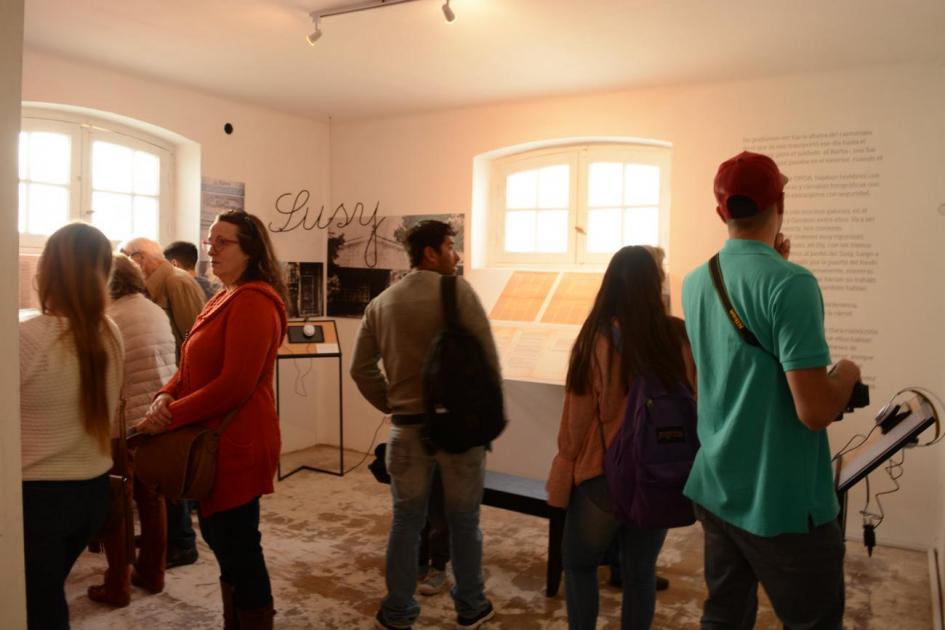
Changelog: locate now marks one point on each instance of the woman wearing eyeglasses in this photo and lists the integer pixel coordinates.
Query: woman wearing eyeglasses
(226, 363)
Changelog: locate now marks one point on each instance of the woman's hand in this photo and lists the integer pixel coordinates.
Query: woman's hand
(158, 416)
(150, 427)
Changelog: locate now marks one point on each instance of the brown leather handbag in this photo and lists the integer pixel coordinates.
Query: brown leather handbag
(120, 520)
(181, 464)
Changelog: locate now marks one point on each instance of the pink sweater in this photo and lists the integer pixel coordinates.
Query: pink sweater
(584, 417)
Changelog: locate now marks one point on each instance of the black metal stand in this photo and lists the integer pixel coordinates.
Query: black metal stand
(341, 425)
(849, 473)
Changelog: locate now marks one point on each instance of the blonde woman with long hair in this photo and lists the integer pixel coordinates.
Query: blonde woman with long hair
(70, 376)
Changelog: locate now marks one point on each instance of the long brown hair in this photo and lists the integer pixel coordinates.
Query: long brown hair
(645, 336)
(71, 275)
(255, 243)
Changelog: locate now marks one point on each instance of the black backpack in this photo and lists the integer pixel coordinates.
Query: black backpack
(462, 393)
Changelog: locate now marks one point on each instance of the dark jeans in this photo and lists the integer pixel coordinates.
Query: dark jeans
(589, 528)
(59, 518)
(180, 529)
(802, 575)
(234, 537)
(435, 537)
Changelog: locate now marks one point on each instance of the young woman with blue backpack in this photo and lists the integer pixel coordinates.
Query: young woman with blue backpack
(630, 357)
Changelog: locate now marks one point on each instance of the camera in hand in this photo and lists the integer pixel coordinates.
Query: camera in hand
(859, 397)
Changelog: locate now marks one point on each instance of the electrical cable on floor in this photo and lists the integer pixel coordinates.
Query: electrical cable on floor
(370, 450)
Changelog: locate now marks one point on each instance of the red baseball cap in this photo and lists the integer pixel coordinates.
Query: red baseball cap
(752, 177)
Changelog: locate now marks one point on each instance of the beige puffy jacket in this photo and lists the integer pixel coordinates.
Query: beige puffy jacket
(150, 359)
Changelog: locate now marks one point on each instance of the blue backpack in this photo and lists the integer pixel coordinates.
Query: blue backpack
(649, 461)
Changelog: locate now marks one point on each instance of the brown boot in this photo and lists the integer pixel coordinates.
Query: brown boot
(116, 591)
(149, 569)
(256, 618)
(230, 619)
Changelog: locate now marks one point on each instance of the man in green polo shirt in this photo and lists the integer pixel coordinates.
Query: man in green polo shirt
(762, 481)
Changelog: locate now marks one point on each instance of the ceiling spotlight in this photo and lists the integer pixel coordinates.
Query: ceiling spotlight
(448, 12)
(312, 37)
(362, 5)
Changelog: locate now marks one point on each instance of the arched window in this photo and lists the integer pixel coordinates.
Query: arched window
(72, 166)
(577, 204)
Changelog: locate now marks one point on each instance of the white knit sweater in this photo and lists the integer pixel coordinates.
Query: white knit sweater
(55, 445)
(149, 351)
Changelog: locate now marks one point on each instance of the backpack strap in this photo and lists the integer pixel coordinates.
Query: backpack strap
(715, 268)
(448, 296)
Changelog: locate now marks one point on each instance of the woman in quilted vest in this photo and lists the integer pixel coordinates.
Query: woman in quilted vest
(70, 377)
(149, 361)
(628, 330)
(227, 364)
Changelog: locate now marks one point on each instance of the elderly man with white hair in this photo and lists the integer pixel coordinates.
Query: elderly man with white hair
(172, 289)
(182, 299)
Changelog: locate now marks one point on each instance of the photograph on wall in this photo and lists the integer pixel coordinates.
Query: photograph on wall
(306, 287)
(216, 196)
(363, 260)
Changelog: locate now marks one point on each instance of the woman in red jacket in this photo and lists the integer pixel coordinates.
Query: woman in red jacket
(227, 362)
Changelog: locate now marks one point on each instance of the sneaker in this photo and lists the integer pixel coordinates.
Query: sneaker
(435, 582)
(180, 557)
(470, 623)
(380, 624)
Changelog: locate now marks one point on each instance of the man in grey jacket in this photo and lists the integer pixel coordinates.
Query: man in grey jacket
(398, 328)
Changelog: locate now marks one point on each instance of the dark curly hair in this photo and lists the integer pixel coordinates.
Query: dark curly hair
(255, 243)
(425, 234)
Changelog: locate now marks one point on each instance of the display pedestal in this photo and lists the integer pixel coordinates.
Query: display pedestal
(313, 340)
(854, 466)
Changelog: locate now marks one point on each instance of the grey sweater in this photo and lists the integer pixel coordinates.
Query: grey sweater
(398, 328)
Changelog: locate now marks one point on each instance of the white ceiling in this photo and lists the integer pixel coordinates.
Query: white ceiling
(405, 57)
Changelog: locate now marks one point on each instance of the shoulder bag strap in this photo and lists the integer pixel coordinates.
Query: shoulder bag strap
(229, 417)
(715, 268)
(448, 296)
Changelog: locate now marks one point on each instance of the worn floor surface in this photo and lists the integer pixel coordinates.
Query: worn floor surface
(324, 539)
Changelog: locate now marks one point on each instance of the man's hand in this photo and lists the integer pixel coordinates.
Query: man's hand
(782, 245)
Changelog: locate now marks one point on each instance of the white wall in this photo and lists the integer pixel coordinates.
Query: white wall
(12, 593)
(271, 152)
(423, 164)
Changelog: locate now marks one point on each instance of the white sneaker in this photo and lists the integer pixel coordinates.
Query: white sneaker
(435, 582)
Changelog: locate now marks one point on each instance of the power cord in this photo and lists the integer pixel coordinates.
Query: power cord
(370, 450)
(929, 395)
(847, 447)
(300, 389)
(894, 469)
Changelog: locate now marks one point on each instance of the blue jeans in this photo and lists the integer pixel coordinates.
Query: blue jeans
(589, 528)
(411, 471)
(435, 537)
(180, 529)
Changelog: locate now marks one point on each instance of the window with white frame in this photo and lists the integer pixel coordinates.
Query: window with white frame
(577, 205)
(71, 167)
